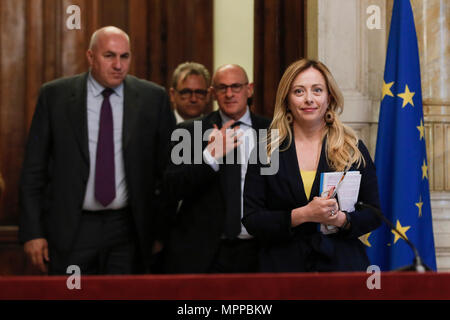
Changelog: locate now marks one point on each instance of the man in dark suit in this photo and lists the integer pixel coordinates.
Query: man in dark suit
(206, 232)
(97, 147)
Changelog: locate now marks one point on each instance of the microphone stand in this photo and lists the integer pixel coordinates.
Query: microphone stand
(417, 265)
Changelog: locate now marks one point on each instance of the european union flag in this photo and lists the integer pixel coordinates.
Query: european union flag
(400, 156)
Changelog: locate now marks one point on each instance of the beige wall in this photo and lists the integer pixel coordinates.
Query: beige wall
(233, 33)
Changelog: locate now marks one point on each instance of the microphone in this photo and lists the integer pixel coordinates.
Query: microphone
(417, 265)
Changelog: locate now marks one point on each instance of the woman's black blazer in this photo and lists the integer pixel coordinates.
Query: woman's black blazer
(269, 199)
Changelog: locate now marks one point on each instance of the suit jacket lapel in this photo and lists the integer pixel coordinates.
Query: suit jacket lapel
(289, 157)
(130, 112)
(77, 110)
(295, 179)
(213, 118)
(321, 167)
(256, 123)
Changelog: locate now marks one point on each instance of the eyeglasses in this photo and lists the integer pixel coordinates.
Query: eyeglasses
(187, 93)
(235, 87)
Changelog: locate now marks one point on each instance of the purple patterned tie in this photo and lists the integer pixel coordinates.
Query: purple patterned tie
(105, 181)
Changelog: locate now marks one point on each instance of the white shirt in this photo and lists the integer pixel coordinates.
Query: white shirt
(94, 104)
(248, 143)
(178, 118)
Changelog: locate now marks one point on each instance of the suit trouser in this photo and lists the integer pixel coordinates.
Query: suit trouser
(105, 244)
(236, 256)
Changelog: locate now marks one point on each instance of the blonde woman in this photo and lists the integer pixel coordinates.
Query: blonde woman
(284, 211)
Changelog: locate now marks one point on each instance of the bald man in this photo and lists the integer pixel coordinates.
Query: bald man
(89, 190)
(207, 235)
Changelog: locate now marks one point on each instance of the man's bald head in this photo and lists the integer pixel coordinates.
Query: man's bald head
(232, 90)
(226, 67)
(109, 56)
(106, 31)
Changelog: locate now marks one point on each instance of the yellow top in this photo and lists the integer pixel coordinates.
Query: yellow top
(308, 180)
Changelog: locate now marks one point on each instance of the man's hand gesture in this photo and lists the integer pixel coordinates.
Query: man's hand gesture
(221, 142)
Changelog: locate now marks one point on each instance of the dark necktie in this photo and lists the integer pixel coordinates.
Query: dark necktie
(233, 196)
(105, 182)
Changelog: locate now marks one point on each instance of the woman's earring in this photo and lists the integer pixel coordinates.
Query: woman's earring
(289, 117)
(329, 117)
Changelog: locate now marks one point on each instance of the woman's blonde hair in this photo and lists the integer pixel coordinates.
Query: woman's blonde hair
(342, 142)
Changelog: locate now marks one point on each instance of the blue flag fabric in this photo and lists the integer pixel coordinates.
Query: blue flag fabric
(400, 156)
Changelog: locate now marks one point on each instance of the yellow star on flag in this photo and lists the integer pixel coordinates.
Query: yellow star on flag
(421, 129)
(419, 205)
(387, 89)
(407, 97)
(402, 231)
(365, 239)
(424, 170)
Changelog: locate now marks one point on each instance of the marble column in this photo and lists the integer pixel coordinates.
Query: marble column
(339, 36)
(432, 19)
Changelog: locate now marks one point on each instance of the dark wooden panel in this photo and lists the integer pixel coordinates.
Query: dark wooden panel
(35, 56)
(91, 17)
(279, 41)
(51, 67)
(266, 49)
(137, 11)
(114, 13)
(157, 42)
(189, 33)
(12, 257)
(294, 12)
(13, 260)
(2, 185)
(12, 102)
(73, 43)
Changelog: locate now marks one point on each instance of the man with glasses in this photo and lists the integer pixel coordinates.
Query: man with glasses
(189, 92)
(206, 233)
